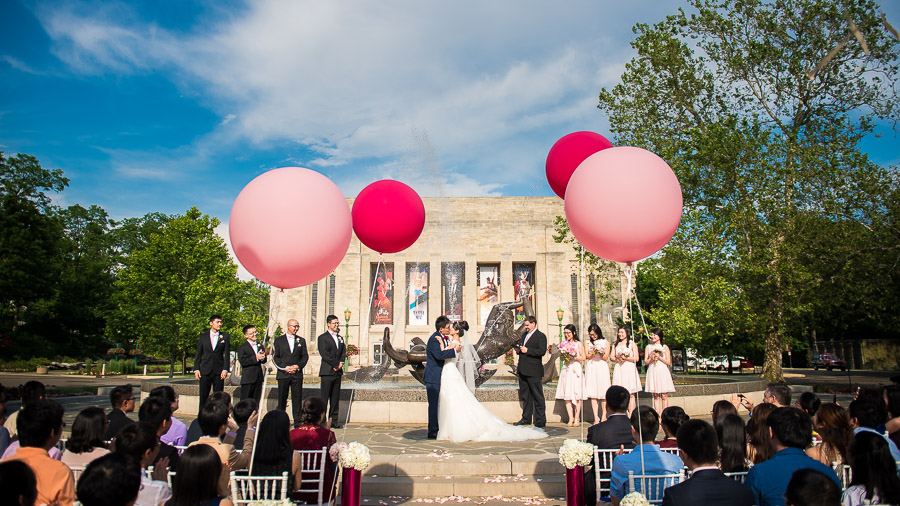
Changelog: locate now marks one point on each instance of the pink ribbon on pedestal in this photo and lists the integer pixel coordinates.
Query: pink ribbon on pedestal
(575, 486)
(351, 487)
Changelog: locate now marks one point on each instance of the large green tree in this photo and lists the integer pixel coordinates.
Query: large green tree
(760, 109)
(171, 285)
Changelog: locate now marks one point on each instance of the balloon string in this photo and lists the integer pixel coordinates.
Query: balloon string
(372, 295)
(581, 326)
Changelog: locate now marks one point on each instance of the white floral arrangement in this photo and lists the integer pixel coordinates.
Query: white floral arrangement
(575, 453)
(335, 451)
(634, 499)
(354, 455)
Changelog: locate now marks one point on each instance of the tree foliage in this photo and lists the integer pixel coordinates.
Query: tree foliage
(760, 109)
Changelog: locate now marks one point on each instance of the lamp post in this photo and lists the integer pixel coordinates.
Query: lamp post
(559, 316)
(347, 325)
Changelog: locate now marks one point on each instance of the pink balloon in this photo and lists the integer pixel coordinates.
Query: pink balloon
(388, 216)
(290, 227)
(567, 153)
(623, 204)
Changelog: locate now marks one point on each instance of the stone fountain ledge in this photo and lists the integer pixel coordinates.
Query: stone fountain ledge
(407, 403)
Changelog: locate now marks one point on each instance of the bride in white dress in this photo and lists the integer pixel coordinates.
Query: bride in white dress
(460, 416)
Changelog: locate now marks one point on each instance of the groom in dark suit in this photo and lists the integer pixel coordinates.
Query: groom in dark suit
(251, 356)
(708, 485)
(290, 357)
(333, 352)
(212, 359)
(434, 367)
(531, 371)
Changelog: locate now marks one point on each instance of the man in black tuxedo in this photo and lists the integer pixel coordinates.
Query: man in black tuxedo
(333, 352)
(708, 485)
(212, 359)
(615, 432)
(531, 371)
(251, 356)
(290, 357)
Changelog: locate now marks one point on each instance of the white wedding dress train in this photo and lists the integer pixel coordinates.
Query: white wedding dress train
(462, 418)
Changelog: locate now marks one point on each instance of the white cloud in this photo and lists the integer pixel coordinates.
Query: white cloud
(222, 231)
(490, 84)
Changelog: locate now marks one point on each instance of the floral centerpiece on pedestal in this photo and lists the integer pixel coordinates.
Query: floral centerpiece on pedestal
(567, 351)
(353, 458)
(634, 499)
(574, 455)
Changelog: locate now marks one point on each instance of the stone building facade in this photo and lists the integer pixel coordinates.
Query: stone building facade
(473, 252)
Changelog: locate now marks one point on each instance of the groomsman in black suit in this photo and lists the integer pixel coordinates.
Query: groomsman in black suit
(251, 356)
(708, 485)
(333, 352)
(531, 371)
(290, 357)
(212, 359)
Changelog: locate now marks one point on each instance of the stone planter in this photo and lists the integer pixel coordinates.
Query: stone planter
(42, 370)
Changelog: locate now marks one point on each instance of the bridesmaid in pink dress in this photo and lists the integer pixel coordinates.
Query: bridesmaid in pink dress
(570, 378)
(596, 371)
(658, 358)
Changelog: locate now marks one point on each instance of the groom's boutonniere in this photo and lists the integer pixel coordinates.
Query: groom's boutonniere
(297, 341)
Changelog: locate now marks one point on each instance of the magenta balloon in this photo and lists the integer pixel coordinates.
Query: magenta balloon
(388, 216)
(290, 227)
(623, 204)
(567, 153)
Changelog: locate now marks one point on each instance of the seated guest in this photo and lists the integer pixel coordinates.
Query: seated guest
(194, 431)
(5, 439)
(196, 478)
(646, 459)
(732, 444)
(213, 419)
(778, 394)
(698, 443)
(139, 442)
(720, 409)
(791, 431)
(110, 481)
(274, 454)
(31, 391)
(832, 423)
(122, 400)
(613, 433)
(866, 416)
(874, 477)
(86, 442)
(875, 396)
(759, 440)
(892, 401)
(157, 412)
(18, 485)
(177, 433)
(240, 414)
(808, 402)
(39, 426)
(809, 487)
(671, 420)
(311, 435)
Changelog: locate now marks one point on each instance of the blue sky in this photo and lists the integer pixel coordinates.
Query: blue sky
(165, 104)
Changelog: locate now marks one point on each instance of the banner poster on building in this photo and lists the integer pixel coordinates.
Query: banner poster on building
(383, 299)
(523, 274)
(417, 278)
(488, 290)
(453, 280)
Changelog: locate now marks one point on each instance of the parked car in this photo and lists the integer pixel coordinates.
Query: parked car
(746, 363)
(720, 363)
(829, 361)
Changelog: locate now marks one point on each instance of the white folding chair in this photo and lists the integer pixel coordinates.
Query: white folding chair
(248, 489)
(652, 485)
(313, 472)
(603, 462)
(845, 474)
(738, 476)
(673, 451)
(76, 471)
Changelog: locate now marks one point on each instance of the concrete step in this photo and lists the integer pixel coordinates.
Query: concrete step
(541, 486)
(440, 464)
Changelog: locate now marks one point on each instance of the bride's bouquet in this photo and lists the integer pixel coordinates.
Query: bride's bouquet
(634, 499)
(354, 455)
(567, 350)
(575, 453)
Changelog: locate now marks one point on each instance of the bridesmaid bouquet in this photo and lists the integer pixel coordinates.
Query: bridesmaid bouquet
(575, 453)
(567, 350)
